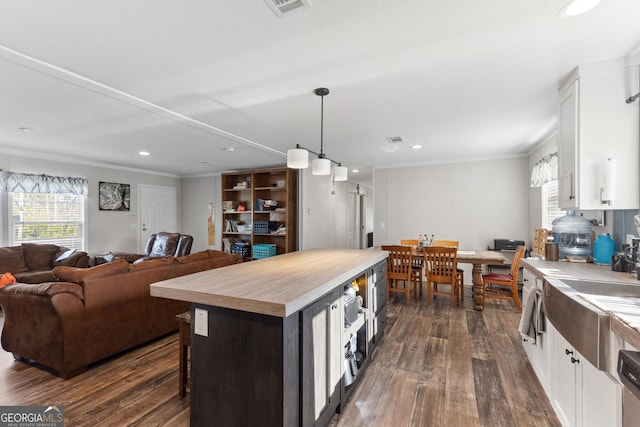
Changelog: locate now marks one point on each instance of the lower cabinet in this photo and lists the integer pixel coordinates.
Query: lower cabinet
(581, 395)
(538, 350)
(321, 359)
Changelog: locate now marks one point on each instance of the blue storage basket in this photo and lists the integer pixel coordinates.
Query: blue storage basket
(264, 250)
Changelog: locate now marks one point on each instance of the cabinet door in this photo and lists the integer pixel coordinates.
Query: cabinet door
(568, 147)
(322, 359)
(563, 381)
(543, 355)
(528, 343)
(601, 398)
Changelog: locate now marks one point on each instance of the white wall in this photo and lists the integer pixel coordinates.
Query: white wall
(472, 202)
(324, 211)
(107, 230)
(197, 193)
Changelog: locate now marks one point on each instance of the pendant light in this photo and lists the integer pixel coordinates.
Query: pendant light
(340, 173)
(298, 158)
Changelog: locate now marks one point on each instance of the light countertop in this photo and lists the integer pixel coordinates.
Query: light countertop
(277, 286)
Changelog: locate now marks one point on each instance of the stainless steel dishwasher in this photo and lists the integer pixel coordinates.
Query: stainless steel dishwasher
(629, 370)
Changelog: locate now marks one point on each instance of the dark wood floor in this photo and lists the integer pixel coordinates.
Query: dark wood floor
(437, 366)
(449, 366)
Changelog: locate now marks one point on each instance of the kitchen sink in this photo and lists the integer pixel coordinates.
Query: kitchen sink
(583, 325)
(608, 289)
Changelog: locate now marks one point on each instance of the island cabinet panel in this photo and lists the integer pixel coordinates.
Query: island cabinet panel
(246, 372)
(322, 358)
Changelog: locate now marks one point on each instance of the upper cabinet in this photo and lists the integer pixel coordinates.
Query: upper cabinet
(596, 124)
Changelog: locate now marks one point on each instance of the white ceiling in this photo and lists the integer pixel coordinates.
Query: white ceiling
(100, 80)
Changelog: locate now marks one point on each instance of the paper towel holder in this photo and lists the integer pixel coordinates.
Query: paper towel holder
(608, 187)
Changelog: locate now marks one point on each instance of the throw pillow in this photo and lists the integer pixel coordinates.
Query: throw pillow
(64, 255)
(12, 260)
(39, 256)
(77, 275)
(196, 256)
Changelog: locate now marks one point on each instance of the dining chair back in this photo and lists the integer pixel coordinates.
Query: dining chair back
(441, 264)
(460, 271)
(400, 269)
(503, 280)
(418, 264)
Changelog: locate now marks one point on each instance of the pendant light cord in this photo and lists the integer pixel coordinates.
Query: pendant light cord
(321, 126)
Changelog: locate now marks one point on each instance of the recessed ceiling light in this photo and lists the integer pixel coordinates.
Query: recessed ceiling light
(25, 129)
(355, 170)
(577, 7)
(144, 153)
(416, 146)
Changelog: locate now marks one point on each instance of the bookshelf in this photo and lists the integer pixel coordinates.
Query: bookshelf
(260, 207)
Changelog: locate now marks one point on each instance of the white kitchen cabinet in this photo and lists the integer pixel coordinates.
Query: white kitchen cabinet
(581, 395)
(595, 124)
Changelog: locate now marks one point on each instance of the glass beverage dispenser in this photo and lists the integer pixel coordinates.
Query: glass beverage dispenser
(572, 233)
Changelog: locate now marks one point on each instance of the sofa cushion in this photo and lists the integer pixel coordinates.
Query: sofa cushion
(77, 275)
(216, 254)
(196, 256)
(152, 263)
(36, 276)
(44, 289)
(12, 260)
(39, 256)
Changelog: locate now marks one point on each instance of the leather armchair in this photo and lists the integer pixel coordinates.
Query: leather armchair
(159, 245)
(168, 244)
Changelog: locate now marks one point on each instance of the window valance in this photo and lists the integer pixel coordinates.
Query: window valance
(14, 182)
(545, 170)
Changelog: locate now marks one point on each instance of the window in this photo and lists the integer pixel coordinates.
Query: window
(550, 209)
(47, 218)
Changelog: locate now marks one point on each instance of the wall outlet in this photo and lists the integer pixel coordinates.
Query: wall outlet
(201, 322)
(382, 226)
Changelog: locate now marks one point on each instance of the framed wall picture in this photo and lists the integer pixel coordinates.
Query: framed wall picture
(113, 196)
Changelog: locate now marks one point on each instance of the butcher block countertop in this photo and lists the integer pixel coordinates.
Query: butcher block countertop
(625, 323)
(276, 286)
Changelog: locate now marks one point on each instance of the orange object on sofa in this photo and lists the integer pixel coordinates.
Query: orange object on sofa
(6, 278)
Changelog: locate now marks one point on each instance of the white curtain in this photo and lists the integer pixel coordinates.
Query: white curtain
(545, 170)
(14, 182)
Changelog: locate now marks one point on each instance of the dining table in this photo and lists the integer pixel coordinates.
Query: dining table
(478, 259)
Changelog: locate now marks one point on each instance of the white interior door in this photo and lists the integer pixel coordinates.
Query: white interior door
(158, 212)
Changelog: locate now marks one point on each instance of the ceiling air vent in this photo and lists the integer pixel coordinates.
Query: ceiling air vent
(395, 139)
(285, 7)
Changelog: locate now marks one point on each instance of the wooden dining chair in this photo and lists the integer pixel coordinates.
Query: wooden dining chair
(503, 280)
(441, 263)
(460, 271)
(418, 263)
(400, 269)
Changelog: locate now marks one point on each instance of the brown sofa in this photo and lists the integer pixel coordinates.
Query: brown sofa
(92, 313)
(34, 262)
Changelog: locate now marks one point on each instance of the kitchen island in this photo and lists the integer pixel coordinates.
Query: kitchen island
(269, 336)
